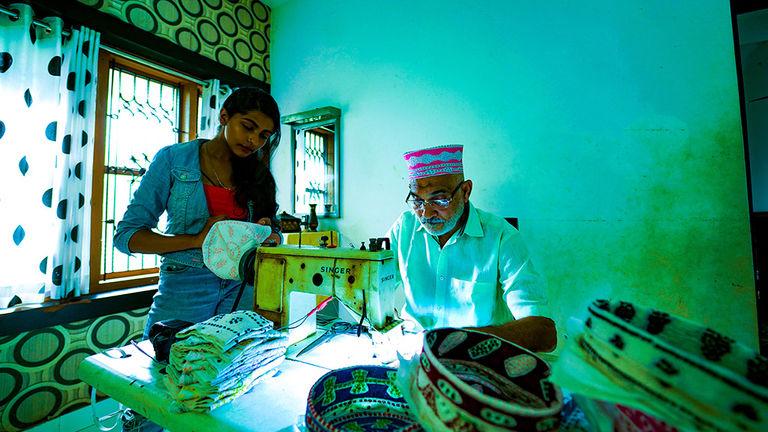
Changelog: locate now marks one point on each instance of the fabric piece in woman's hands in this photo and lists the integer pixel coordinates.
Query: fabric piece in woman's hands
(228, 243)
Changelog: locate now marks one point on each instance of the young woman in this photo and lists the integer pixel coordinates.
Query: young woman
(199, 183)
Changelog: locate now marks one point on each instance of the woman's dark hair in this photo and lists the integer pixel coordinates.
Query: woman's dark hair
(251, 176)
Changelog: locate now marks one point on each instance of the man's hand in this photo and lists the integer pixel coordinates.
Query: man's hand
(535, 333)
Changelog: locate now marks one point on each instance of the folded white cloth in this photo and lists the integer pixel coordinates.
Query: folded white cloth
(197, 398)
(224, 331)
(218, 369)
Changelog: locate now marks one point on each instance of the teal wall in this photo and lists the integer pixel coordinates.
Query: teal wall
(612, 130)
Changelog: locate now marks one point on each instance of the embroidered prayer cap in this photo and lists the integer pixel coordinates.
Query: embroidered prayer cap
(359, 398)
(473, 381)
(434, 161)
(692, 376)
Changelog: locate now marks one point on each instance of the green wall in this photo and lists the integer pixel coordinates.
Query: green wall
(611, 129)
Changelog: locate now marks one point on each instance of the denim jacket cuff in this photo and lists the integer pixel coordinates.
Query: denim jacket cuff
(121, 241)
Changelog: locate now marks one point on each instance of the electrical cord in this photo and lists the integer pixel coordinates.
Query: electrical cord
(135, 345)
(99, 420)
(239, 294)
(247, 267)
(301, 320)
(362, 316)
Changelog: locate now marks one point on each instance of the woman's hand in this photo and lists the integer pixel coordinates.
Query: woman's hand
(200, 237)
(274, 238)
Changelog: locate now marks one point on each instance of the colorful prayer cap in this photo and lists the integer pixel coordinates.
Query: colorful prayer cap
(434, 161)
(679, 371)
(359, 398)
(473, 381)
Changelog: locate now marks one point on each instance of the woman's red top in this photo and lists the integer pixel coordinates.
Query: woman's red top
(221, 201)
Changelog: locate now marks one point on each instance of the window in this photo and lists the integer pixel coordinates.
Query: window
(315, 155)
(139, 111)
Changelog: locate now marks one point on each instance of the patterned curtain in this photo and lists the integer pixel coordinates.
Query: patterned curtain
(47, 110)
(214, 95)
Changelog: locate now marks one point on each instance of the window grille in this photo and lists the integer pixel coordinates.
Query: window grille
(142, 118)
(316, 163)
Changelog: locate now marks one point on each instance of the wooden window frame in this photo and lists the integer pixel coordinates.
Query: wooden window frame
(310, 120)
(189, 92)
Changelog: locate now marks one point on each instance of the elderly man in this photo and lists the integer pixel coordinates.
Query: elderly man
(461, 266)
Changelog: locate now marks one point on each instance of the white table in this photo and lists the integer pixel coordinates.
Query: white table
(276, 404)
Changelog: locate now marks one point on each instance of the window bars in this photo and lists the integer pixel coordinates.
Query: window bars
(142, 117)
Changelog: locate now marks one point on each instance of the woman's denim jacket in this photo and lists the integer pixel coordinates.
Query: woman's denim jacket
(173, 184)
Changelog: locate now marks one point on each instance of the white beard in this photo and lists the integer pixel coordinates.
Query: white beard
(448, 225)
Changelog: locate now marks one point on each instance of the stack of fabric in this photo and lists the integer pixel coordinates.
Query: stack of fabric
(216, 361)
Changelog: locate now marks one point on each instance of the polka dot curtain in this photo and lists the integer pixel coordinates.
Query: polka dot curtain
(213, 97)
(47, 108)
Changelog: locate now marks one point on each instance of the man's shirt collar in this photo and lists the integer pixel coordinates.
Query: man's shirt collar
(473, 227)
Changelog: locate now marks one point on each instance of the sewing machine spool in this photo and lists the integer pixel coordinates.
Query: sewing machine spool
(288, 279)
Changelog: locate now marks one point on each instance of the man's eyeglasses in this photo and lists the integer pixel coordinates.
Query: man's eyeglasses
(439, 203)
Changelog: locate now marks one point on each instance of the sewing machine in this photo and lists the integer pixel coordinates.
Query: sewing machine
(312, 238)
(289, 278)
